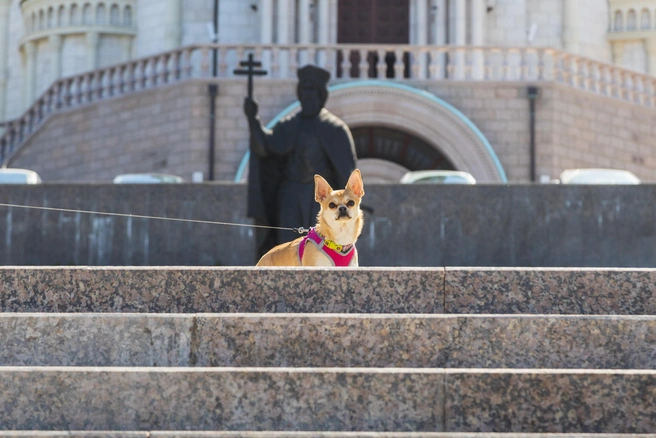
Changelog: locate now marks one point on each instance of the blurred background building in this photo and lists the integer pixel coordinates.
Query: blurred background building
(508, 90)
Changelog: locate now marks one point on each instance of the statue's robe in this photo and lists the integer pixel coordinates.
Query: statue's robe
(273, 199)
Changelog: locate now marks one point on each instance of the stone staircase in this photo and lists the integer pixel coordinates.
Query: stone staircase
(369, 352)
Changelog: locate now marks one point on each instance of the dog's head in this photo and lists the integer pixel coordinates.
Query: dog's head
(339, 206)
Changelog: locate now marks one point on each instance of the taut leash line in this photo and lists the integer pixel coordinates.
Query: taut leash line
(299, 230)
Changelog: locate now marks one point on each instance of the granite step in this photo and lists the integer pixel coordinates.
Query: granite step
(265, 434)
(327, 399)
(328, 340)
(316, 290)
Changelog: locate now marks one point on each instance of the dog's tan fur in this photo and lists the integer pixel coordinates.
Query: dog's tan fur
(341, 230)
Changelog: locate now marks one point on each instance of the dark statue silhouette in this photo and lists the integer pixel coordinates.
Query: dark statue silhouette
(284, 160)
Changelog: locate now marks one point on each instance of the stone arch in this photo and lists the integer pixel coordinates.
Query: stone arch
(87, 14)
(101, 14)
(618, 21)
(417, 112)
(631, 20)
(127, 16)
(61, 13)
(51, 17)
(74, 18)
(114, 13)
(645, 19)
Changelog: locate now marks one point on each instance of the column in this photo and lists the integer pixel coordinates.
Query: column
(441, 20)
(283, 36)
(650, 49)
(173, 24)
(324, 28)
(478, 26)
(571, 19)
(266, 31)
(93, 38)
(421, 21)
(4, 41)
(304, 30)
(30, 73)
(459, 36)
(55, 42)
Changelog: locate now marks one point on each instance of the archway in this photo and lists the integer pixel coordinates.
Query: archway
(400, 108)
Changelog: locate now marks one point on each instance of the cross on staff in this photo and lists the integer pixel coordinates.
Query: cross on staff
(250, 72)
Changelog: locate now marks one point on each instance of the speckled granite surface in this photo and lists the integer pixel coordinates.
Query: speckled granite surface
(554, 291)
(328, 399)
(551, 401)
(363, 290)
(324, 340)
(228, 399)
(186, 290)
(235, 434)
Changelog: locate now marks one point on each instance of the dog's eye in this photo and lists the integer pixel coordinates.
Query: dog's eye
(332, 205)
(351, 203)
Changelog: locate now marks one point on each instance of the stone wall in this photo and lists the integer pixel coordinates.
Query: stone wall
(167, 130)
(423, 225)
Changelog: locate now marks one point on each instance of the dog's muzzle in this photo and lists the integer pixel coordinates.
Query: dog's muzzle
(343, 212)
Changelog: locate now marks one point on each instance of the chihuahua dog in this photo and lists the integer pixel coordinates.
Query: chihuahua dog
(332, 241)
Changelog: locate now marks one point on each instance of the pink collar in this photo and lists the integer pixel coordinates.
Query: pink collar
(339, 258)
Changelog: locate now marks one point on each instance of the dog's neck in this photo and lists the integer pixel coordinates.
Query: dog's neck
(343, 233)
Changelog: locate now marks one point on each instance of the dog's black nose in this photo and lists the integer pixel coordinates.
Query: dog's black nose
(342, 209)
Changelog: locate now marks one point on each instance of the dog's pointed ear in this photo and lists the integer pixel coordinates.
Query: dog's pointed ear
(355, 184)
(321, 188)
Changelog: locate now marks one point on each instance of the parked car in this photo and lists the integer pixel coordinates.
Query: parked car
(437, 177)
(147, 178)
(598, 176)
(19, 176)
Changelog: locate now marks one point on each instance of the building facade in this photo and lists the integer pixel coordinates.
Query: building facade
(476, 58)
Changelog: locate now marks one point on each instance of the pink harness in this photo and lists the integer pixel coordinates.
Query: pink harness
(339, 258)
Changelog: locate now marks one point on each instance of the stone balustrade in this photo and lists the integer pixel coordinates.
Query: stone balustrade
(346, 62)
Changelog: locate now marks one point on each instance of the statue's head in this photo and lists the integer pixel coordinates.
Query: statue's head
(312, 89)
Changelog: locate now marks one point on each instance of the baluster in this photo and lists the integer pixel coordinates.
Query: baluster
(188, 67)
(3, 147)
(122, 74)
(619, 83)
(144, 67)
(275, 62)
(21, 129)
(415, 64)
(164, 69)
(381, 65)
(478, 64)
(155, 66)
(12, 136)
(329, 58)
(346, 62)
(79, 96)
(363, 67)
(90, 90)
(205, 62)
(100, 89)
(399, 66)
(603, 80)
(293, 61)
(312, 58)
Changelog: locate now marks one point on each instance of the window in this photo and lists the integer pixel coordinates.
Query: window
(618, 24)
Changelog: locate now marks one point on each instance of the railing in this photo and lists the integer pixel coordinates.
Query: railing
(390, 62)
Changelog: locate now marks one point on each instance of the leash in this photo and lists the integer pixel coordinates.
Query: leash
(299, 230)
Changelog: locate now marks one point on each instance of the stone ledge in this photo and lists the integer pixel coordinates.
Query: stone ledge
(315, 290)
(328, 399)
(328, 340)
